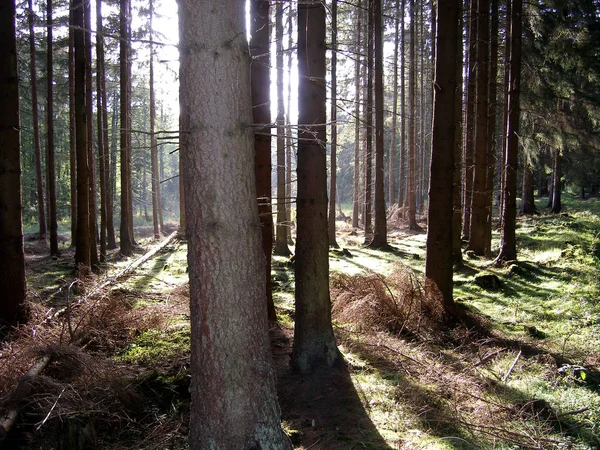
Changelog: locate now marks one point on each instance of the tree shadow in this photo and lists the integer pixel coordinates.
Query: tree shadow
(322, 410)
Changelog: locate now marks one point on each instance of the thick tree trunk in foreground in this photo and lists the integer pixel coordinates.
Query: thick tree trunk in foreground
(508, 241)
(13, 287)
(314, 342)
(234, 403)
(261, 114)
(36, 124)
(458, 141)
(439, 260)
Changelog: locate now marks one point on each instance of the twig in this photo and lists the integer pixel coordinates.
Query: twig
(577, 411)
(313, 444)
(487, 357)
(41, 424)
(512, 367)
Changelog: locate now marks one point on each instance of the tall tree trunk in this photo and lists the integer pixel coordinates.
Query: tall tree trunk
(281, 239)
(234, 404)
(126, 191)
(478, 202)
(412, 143)
(458, 146)
(314, 342)
(556, 184)
(50, 157)
(508, 242)
(392, 156)
(101, 125)
(506, 85)
(36, 124)
(492, 115)
(439, 253)
(380, 231)
(289, 140)
(82, 243)
(470, 120)
(260, 33)
(13, 287)
(357, 125)
(72, 134)
(333, 176)
(368, 166)
(156, 203)
(94, 260)
(402, 163)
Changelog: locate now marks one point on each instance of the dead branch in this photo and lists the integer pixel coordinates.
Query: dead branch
(23, 390)
(512, 367)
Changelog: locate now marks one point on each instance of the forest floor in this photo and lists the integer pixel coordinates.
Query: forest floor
(520, 370)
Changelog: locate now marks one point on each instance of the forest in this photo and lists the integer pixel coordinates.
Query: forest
(316, 224)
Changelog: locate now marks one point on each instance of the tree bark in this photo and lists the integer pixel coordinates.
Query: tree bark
(368, 109)
(314, 342)
(260, 32)
(333, 175)
(412, 126)
(50, 158)
(527, 198)
(357, 124)
(392, 157)
(478, 202)
(508, 242)
(126, 235)
(281, 239)
(72, 134)
(380, 230)
(36, 124)
(82, 244)
(402, 163)
(156, 203)
(439, 253)
(556, 184)
(13, 287)
(102, 155)
(234, 403)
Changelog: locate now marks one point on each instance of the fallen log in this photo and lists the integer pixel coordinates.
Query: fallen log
(8, 420)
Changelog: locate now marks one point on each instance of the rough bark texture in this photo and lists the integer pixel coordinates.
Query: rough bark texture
(439, 258)
(380, 230)
(102, 154)
(368, 110)
(508, 241)
(402, 163)
(261, 113)
(281, 239)
(36, 123)
(392, 157)
(12, 263)
(126, 231)
(556, 185)
(72, 138)
(50, 160)
(234, 403)
(478, 210)
(156, 203)
(412, 126)
(82, 240)
(527, 197)
(333, 174)
(314, 343)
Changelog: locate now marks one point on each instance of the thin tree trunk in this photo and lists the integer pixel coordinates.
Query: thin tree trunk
(281, 239)
(36, 124)
(478, 202)
(380, 231)
(314, 343)
(156, 204)
(412, 210)
(470, 120)
(503, 141)
(333, 175)
(50, 157)
(508, 244)
(101, 125)
(368, 166)
(261, 111)
(94, 260)
(126, 192)
(72, 136)
(527, 198)
(556, 185)
(13, 287)
(392, 157)
(82, 244)
(357, 124)
(289, 145)
(402, 163)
